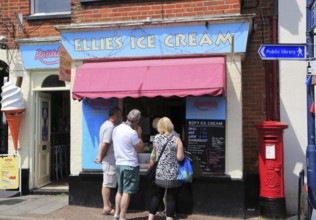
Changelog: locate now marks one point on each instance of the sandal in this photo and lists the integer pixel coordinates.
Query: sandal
(108, 212)
(161, 214)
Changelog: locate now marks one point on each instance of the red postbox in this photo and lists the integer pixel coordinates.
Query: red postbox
(271, 169)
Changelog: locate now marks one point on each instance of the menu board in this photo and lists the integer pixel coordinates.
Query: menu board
(206, 139)
(9, 175)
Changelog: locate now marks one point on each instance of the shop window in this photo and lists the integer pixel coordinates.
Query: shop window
(50, 6)
(48, 9)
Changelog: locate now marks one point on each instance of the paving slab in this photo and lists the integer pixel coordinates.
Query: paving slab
(55, 207)
(8, 194)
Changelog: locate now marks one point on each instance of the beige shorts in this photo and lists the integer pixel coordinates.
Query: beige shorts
(109, 175)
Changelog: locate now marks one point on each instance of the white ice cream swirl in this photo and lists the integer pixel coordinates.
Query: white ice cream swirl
(12, 97)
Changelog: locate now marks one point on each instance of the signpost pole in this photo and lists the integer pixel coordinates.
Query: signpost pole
(311, 149)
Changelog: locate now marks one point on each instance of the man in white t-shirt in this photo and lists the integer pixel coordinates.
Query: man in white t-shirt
(127, 139)
(106, 156)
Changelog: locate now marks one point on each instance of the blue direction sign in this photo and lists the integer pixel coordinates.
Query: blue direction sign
(281, 51)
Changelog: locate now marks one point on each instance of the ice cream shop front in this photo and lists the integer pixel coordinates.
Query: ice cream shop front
(189, 71)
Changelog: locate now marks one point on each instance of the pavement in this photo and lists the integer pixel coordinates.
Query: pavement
(55, 207)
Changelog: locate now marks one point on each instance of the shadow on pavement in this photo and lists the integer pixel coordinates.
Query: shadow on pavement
(11, 201)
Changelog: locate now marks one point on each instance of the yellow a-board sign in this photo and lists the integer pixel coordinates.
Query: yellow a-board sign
(9, 172)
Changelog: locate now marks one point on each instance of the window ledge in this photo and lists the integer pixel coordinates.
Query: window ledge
(84, 1)
(116, 1)
(43, 16)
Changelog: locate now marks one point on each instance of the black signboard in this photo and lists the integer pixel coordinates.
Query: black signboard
(206, 139)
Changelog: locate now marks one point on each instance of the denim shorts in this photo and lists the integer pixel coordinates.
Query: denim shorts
(127, 179)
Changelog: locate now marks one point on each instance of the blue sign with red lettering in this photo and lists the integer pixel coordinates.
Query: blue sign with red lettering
(206, 108)
(44, 56)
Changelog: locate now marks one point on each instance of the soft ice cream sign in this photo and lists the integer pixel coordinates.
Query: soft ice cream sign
(159, 41)
(40, 56)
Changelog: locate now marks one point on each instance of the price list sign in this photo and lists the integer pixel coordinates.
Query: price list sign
(206, 139)
(9, 172)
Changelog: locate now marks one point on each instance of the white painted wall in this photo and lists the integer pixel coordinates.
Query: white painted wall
(13, 57)
(292, 29)
(76, 129)
(234, 158)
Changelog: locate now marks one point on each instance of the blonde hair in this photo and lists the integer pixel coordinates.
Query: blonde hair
(155, 122)
(165, 126)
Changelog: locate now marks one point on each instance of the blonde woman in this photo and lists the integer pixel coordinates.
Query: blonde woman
(167, 169)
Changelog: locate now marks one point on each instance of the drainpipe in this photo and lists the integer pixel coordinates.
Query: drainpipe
(268, 94)
(311, 149)
(275, 116)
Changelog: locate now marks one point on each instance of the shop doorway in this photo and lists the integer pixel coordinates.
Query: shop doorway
(53, 139)
(60, 137)
(43, 119)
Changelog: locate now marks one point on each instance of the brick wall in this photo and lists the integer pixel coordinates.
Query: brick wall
(100, 12)
(38, 28)
(253, 81)
(107, 11)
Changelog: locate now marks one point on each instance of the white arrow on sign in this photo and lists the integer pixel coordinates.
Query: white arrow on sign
(261, 51)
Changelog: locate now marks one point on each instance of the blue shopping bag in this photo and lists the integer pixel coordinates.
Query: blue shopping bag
(185, 172)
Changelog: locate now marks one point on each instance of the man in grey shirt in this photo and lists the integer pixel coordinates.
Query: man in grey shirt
(106, 156)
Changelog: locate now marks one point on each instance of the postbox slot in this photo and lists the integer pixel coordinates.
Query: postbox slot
(271, 138)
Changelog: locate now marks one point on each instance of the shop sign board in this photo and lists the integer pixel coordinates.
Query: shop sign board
(205, 132)
(206, 108)
(157, 41)
(139, 42)
(10, 171)
(41, 56)
(65, 65)
(281, 51)
(95, 112)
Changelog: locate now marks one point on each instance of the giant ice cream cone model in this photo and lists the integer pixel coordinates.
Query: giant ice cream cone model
(13, 118)
(12, 104)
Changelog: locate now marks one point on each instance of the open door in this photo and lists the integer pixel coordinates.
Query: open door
(43, 151)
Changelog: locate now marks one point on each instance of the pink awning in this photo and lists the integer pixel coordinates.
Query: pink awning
(164, 77)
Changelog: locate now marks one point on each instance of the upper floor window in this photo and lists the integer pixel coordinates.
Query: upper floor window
(50, 6)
